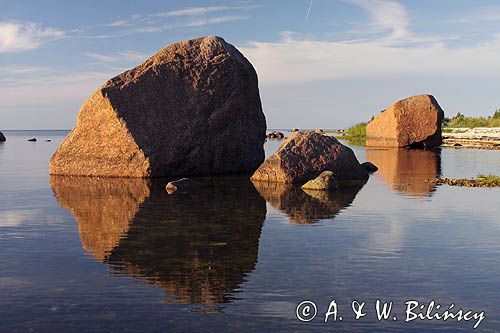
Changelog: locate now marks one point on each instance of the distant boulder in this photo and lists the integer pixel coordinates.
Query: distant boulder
(32, 140)
(304, 155)
(2, 137)
(326, 181)
(411, 122)
(191, 109)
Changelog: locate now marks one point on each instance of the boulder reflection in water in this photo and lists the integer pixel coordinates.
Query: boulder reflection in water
(306, 206)
(198, 247)
(407, 171)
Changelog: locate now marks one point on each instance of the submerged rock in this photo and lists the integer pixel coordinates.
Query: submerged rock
(411, 122)
(183, 184)
(325, 182)
(304, 155)
(369, 167)
(2, 137)
(192, 109)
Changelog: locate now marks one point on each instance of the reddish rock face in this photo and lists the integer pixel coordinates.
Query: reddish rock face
(305, 155)
(192, 109)
(414, 121)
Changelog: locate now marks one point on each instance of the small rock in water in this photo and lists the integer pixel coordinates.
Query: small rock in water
(276, 135)
(324, 182)
(2, 137)
(32, 140)
(183, 184)
(48, 140)
(369, 166)
(457, 145)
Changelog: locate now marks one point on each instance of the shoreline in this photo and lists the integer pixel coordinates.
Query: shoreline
(479, 138)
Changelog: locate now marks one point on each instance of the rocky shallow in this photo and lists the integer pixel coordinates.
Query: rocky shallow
(480, 181)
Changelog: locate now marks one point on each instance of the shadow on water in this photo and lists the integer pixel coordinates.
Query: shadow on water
(407, 171)
(305, 207)
(198, 247)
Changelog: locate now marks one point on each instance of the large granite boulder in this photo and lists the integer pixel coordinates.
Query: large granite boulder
(191, 109)
(2, 137)
(305, 155)
(411, 122)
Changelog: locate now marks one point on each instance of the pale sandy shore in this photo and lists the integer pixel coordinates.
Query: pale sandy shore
(479, 137)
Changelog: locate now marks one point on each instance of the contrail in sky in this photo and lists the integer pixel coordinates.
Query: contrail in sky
(308, 11)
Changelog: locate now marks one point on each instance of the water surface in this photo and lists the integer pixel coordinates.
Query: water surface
(121, 254)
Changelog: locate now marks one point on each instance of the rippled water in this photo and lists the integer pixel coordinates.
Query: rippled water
(113, 254)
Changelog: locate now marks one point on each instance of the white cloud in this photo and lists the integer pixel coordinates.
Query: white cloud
(386, 15)
(394, 51)
(292, 60)
(16, 37)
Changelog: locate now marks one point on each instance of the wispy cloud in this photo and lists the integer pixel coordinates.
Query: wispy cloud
(117, 23)
(178, 18)
(191, 22)
(22, 70)
(386, 16)
(119, 57)
(16, 36)
(196, 11)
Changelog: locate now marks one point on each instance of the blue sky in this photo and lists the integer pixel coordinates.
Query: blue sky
(348, 61)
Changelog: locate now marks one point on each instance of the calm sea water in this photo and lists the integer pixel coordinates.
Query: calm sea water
(122, 255)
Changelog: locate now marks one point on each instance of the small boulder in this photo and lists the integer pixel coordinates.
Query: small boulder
(304, 155)
(182, 185)
(411, 122)
(295, 130)
(2, 137)
(324, 182)
(369, 167)
(32, 140)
